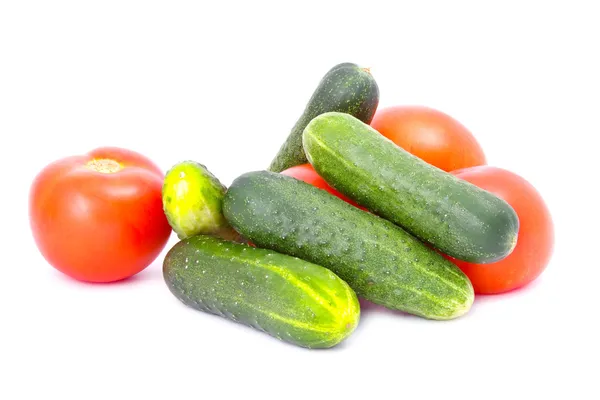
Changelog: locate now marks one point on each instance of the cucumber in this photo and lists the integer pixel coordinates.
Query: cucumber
(454, 216)
(379, 260)
(290, 299)
(192, 201)
(346, 88)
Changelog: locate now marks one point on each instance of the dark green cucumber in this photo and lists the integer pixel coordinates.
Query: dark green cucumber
(291, 299)
(379, 260)
(345, 88)
(455, 216)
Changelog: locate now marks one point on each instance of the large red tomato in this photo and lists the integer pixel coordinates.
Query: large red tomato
(535, 242)
(98, 217)
(307, 173)
(431, 135)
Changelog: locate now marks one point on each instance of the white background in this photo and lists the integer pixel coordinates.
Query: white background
(222, 83)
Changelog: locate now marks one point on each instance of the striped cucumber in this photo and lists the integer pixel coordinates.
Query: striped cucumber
(291, 299)
(455, 216)
(346, 88)
(379, 260)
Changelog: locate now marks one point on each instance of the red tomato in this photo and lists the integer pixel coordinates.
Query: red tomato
(431, 135)
(98, 217)
(307, 173)
(535, 242)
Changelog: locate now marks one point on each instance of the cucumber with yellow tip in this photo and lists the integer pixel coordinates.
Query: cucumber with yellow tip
(379, 260)
(291, 299)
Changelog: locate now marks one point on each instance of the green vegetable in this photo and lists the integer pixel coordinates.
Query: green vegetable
(288, 298)
(378, 259)
(455, 216)
(345, 88)
(192, 201)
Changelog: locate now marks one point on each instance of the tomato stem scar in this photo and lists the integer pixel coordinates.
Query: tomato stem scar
(104, 165)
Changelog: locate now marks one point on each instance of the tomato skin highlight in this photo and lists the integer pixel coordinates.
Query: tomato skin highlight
(535, 243)
(434, 136)
(306, 173)
(99, 226)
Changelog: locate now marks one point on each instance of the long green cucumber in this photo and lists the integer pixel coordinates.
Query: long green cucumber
(454, 216)
(379, 260)
(346, 88)
(290, 299)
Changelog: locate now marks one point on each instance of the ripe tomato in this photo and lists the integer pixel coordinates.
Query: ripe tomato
(535, 242)
(431, 135)
(307, 173)
(98, 217)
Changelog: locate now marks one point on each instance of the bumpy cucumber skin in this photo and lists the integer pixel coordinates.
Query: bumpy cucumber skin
(288, 298)
(346, 88)
(192, 201)
(456, 217)
(379, 260)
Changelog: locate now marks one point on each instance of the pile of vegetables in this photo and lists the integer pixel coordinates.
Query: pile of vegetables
(396, 206)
